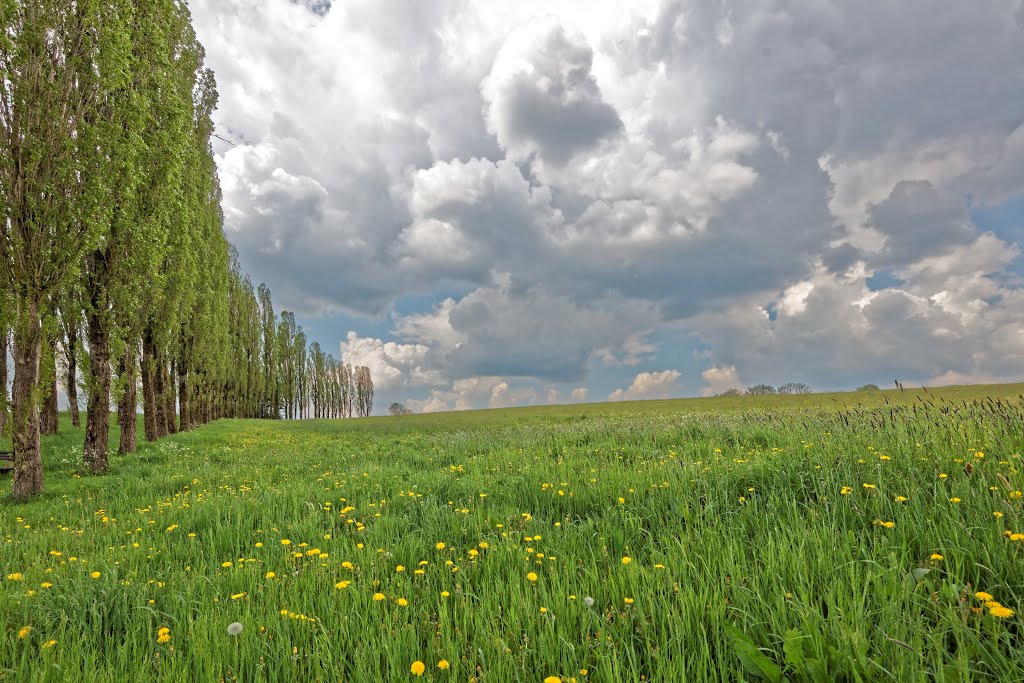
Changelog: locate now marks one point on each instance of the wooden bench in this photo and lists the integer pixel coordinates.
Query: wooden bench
(6, 461)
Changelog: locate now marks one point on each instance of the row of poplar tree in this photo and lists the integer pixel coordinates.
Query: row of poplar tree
(114, 265)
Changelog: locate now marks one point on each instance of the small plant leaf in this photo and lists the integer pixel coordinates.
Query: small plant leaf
(755, 662)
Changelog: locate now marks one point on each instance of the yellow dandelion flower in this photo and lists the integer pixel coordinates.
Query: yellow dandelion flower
(342, 585)
(24, 631)
(552, 679)
(270, 575)
(627, 560)
(225, 564)
(936, 557)
(377, 597)
(869, 486)
(445, 594)
(285, 541)
(901, 499)
(259, 545)
(628, 601)
(48, 644)
(95, 575)
(845, 491)
(238, 596)
(418, 668)
(16, 576)
(439, 545)
(997, 514)
(983, 596)
(402, 602)
(954, 500)
(399, 568)
(531, 577)
(443, 665)
(1000, 612)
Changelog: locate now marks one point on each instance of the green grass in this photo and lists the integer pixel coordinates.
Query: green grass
(744, 554)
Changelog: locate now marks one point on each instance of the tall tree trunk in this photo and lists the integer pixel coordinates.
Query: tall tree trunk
(48, 417)
(126, 406)
(184, 400)
(48, 420)
(72, 379)
(149, 384)
(160, 388)
(170, 398)
(97, 416)
(3, 376)
(28, 349)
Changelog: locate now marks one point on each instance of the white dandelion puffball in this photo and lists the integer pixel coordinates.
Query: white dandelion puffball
(234, 629)
(589, 601)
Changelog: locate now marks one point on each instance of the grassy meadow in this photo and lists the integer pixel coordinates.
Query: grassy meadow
(831, 537)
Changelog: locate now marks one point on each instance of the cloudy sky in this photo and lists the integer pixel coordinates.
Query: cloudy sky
(498, 204)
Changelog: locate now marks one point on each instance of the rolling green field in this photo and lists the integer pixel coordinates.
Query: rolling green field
(812, 538)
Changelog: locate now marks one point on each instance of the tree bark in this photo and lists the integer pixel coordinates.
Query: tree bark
(48, 417)
(3, 377)
(126, 406)
(184, 400)
(72, 378)
(28, 349)
(160, 391)
(97, 417)
(171, 398)
(149, 384)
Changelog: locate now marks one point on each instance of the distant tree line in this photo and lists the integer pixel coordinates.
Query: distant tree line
(766, 389)
(787, 388)
(114, 265)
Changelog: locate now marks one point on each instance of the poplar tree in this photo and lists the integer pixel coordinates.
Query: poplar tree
(56, 67)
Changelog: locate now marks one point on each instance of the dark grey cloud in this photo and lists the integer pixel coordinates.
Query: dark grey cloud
(542, 97)
(525, 331)
(917, 221)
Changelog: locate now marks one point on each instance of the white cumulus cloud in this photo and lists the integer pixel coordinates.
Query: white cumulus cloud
(649, 385)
